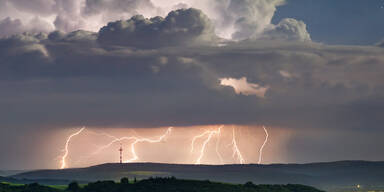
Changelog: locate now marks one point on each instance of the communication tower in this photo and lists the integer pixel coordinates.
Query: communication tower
(121, 153)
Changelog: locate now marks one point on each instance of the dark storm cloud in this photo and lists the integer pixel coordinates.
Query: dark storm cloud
(180, 27)
(85, 78)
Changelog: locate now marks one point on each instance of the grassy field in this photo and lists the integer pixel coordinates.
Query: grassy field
(12, 184)
(147, 173)
(60, 187)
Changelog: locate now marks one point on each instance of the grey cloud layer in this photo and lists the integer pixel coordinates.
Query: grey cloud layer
(85, 78)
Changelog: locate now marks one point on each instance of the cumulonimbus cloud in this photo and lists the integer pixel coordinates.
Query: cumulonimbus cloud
(231, 19)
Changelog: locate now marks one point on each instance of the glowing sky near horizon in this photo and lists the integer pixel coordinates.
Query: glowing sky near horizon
(175, 148)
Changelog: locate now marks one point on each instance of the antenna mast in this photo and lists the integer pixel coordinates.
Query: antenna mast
(121, 153)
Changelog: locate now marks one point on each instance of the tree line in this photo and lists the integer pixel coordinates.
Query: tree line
(170, 184)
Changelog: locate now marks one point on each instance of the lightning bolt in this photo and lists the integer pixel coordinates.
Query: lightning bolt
(209, 135)
(198, 137)
(235, 148)
(66, 149)
(198, 161)
(141, 140)
(217, 147)
(206, 137)
(262, 146)
(135, 140)
(100, 148)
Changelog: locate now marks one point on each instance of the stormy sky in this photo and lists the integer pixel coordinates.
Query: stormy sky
(313, 69)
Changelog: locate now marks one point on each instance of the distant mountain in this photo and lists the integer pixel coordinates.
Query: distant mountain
(322, 175)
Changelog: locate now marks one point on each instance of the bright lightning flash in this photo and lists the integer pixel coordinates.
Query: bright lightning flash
(135, 140)
(208, 134)
(66, 149)
(235, 148)
(262, 146)
(141, 140)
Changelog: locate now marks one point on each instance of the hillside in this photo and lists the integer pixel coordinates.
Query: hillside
(322, 175)
(41, 181)
(5, 173)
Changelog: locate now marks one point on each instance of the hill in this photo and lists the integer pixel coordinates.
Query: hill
(322, 175)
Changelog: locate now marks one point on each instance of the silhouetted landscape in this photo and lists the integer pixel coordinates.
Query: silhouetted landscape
(159, 184)
(330, 176)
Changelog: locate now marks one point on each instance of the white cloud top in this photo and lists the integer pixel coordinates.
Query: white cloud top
(232, 19)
